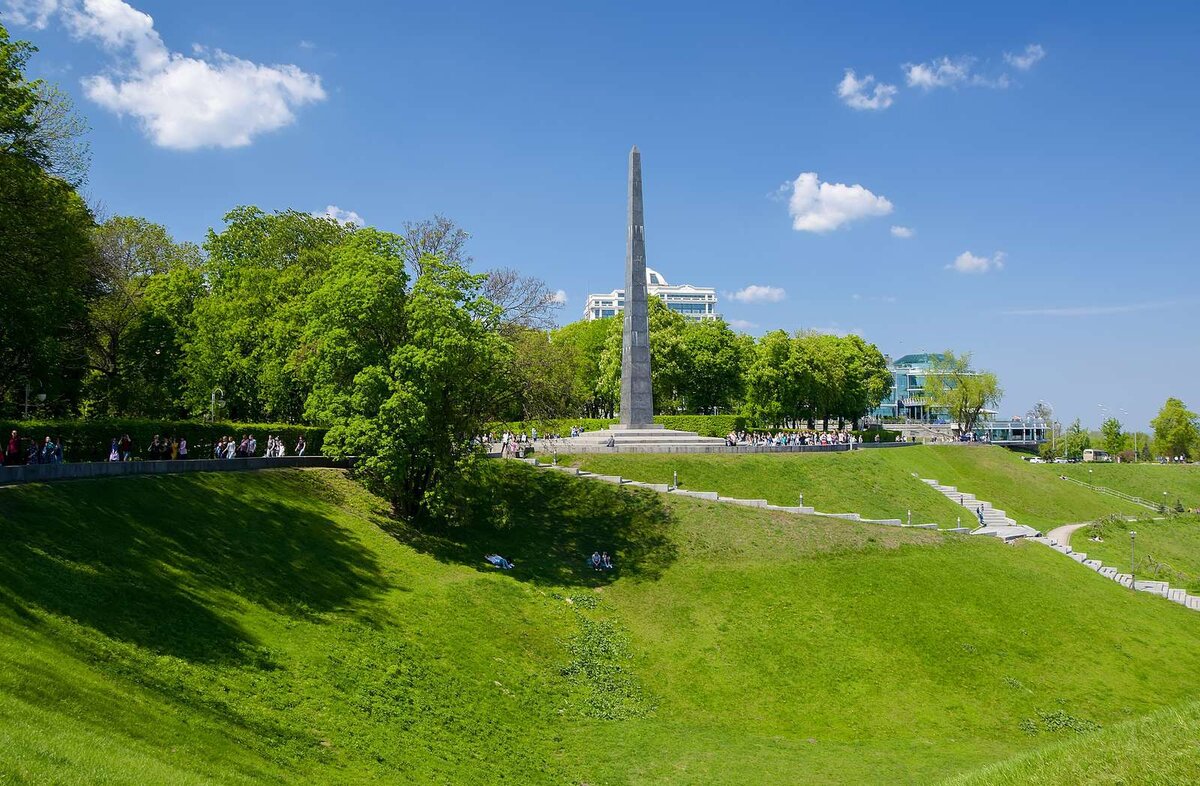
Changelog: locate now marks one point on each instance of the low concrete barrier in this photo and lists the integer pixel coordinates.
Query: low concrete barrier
(46, 473)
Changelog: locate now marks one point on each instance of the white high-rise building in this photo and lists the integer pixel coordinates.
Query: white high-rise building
(697, 304)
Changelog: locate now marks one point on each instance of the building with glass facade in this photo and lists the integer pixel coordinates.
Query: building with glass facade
(697, 304)
(907, 402)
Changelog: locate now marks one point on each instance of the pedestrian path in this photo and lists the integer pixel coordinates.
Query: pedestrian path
(985, 518)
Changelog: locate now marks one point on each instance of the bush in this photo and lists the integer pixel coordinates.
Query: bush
(88, 440)
(704, 425)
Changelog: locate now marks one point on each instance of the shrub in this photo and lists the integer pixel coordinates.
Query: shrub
(88, 440)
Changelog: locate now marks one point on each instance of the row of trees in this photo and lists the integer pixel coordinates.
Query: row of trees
(701, 368)
(1176, 432)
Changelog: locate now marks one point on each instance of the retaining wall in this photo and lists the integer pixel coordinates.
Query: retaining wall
(43, 473)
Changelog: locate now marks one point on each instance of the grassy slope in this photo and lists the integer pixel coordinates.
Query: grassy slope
(1148, 481)
(1157, 749)
(869, 482)
(879, 483)
(274, 626)
(1167, 549)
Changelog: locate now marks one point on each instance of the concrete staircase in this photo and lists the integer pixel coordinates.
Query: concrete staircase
(1175, 595)
(996, 522)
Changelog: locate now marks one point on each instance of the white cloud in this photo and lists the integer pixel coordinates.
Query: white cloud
(210, 99)
(854, 92)
(560, 297)
(1027, 59)
(31, 13)
(741, 324)
(903, 232)
(966, 262)
(948, 72)
(758, 294)
(823, 207)
(348, 217)
(306, 44)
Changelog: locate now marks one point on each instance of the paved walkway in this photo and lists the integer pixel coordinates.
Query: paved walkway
(1062, 535)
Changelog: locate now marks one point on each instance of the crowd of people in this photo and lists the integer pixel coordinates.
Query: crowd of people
(48, 451)
(783, 438)
(51, 450)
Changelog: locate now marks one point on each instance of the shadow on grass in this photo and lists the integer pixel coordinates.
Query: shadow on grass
(549, 525)
(161, 561)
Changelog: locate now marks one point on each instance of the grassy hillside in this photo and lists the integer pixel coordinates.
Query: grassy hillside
(276, 627)
(1148, 481)
(1157, 749)
(870, 482)
(878, 483)
(1167, 549)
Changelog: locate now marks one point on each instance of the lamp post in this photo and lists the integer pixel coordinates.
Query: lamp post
(41, 397)
(1132, 537)
(212, 404)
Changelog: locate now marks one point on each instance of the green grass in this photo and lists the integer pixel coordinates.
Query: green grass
(1157, 749)
(1166, 549)
(877, 483)
(1145, 480)
(278, 627)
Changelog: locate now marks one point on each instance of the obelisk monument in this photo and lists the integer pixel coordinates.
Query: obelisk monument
(637, 396)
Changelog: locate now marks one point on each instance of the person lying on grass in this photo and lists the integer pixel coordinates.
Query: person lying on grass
(499, 562)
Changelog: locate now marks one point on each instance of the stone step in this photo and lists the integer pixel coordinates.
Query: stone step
(792, 508)
(749, 503)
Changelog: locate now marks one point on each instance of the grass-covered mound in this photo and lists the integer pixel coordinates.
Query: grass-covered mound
(1167, 549)
(878, 483)
(277, 627)
(1145, 480)
(1156, 749)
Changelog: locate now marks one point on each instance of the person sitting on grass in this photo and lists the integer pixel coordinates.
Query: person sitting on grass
(597, 563)
(499, 562)
(606, 561)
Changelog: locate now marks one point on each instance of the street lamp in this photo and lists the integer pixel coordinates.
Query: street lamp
(41, 397)
(212, 404)
(1132, 537)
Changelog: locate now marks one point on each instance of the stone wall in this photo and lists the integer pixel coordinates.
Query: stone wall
(42, 473)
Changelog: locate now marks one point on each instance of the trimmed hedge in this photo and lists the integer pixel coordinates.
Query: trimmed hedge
(88, 440)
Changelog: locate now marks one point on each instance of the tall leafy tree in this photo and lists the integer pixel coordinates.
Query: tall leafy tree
(260, 270)
(136, 333)
(953, 384)
(1112, 438)
(430, 374)
(668, 364)
(1175, 430)
(715, 360)
(543, 373)
(1075, 440)
(44, 250)
(588, 337)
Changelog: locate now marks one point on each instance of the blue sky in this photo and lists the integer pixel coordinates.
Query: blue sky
(1062, 179)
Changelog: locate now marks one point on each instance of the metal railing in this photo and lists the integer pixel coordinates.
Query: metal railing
(1114, 493)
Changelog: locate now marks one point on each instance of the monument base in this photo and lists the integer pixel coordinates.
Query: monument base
(650, 438)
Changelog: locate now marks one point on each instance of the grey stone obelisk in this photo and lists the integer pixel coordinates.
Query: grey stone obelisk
(637, 397)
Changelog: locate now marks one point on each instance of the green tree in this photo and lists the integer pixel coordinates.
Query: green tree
(543, 372)
(1175, 430)
(588, 338)
(405, 380)
(951, 383)
(1112, 438)
(1074, 441)
(771, 386)
(260, 271)
(868, 381)
(44, 251)
(135, 339)
(668, 363)
(714, 360)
